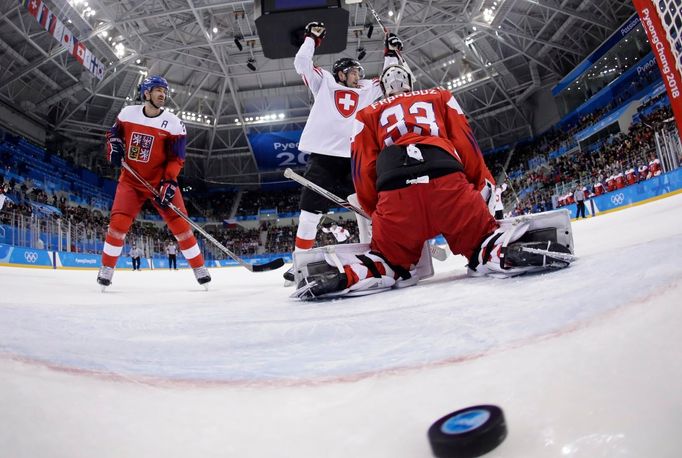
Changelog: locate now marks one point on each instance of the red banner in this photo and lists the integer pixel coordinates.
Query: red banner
(666, 61)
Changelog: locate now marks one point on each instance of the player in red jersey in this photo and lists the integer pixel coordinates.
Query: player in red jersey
(655, 168)
(418, 170)
(152, 142)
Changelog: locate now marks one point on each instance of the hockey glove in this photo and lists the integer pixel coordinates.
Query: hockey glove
(115, 151)
(392, 45)
(316, 31)
(166, 192)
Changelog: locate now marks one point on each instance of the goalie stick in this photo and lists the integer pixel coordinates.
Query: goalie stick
(437, 252)
(272, 265)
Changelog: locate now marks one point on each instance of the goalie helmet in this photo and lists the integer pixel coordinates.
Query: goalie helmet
(345, 64)
(395, 79)
(150, 83)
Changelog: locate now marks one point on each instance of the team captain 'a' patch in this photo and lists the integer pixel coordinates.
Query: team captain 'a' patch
(140, 148)
(346, 102)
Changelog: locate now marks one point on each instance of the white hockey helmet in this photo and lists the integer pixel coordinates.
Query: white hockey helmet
(395, 79)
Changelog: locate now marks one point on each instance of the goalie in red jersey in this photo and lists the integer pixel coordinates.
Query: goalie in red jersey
(418, 173)
(152, 142)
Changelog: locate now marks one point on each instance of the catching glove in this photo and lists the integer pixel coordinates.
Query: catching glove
(115, 151)
(166, 192)
(392, 45)
(316, 31)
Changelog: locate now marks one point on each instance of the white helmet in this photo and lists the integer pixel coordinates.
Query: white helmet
(395, 79)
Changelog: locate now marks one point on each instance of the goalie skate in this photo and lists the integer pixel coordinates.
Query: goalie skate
(526, 244)
(540, 254)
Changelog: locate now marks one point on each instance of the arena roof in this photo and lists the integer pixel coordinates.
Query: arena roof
(495, 54)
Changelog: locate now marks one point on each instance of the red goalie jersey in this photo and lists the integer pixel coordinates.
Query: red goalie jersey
(430, 116)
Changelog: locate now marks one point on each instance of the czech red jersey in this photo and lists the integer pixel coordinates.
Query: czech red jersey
(155, 146)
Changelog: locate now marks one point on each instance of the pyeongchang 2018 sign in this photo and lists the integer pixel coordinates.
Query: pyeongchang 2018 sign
(278, 150)
(651, 19)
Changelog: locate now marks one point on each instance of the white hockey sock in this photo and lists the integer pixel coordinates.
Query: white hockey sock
(307, 230)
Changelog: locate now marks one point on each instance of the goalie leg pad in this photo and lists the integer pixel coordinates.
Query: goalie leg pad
(345, 270)
(526, 244)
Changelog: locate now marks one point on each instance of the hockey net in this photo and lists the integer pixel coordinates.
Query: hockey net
(662, 21)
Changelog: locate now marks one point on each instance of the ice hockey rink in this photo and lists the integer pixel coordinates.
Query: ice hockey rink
(585, 362)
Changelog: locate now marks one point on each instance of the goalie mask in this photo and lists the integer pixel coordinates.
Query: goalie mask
(395, 79)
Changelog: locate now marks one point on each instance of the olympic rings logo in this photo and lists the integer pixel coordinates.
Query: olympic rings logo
(31, 256)
(618, 199)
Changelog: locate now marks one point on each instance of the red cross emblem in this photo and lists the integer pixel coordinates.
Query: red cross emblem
(346, 102)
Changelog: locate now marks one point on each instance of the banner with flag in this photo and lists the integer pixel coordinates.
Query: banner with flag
(42, 16)
(33, 7)
(66, 40)
(50, 21)
(79, 51)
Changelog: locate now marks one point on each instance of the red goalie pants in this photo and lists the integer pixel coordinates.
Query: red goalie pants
(127, 204)
(405, 218)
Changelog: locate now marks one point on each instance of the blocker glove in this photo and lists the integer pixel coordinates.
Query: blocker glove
(316, 31)
(115, 151)
(166, 192)
(392, 45)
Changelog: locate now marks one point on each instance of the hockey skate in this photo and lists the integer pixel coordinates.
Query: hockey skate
(104, 276)
(328, 281)
(202, 276)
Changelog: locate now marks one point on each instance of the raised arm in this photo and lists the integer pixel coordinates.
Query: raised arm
(303, 62)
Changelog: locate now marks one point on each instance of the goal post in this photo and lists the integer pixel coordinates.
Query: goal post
(662, 21)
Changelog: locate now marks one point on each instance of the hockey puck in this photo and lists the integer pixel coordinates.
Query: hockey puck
(468, 433)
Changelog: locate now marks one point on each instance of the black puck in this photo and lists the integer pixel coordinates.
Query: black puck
(468, 433)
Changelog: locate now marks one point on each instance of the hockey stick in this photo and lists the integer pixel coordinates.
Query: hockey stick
(274, 264)
(437, 252)
(383, 27)
(511, 187)
(323, 192)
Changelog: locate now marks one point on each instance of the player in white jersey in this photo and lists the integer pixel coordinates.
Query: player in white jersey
(338, 97)
(341, 234)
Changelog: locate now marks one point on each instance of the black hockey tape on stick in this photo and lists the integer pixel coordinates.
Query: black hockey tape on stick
(274, 264)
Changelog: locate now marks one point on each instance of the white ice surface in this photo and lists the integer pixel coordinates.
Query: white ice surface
(585, 362)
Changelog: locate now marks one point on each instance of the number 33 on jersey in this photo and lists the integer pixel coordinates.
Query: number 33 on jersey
(429, 116)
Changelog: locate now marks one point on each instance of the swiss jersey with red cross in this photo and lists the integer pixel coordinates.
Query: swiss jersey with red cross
(154, 145)
(330, 123)
(429, 116)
